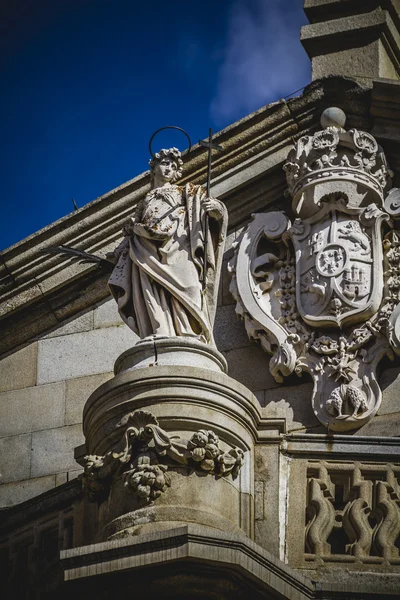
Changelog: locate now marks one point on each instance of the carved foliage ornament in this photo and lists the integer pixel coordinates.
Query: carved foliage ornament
(146, 452)
(322, 293)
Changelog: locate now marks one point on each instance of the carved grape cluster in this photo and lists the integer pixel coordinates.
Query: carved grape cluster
(148, 481)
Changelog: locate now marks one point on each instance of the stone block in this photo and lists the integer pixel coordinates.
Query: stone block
(15, 458)
(107, 315)
(82, 323)
(229, 330)
(18, 370)
(292, 403)
(227, 297)
(260, 395)
(53, 450)
(74, 474)
(61, 478)
(77, 392)
(32, 409)
(267, 505)
(228, 250)
(81, 354)
(385, 425)
(15, 493)
(390, 385)
(250, 366)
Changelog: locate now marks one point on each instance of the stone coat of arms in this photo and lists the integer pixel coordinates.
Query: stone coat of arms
(321, 292)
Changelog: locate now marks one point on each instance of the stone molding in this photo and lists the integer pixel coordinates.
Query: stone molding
(340, 446)
(234, 552)
(231, 555)
(186, 387)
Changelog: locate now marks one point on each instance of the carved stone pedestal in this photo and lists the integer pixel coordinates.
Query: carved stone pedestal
(169, 441)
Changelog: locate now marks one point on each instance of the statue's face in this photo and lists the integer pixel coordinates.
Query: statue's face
(165, 170)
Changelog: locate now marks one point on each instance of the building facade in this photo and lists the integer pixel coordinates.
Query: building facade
(268, 462)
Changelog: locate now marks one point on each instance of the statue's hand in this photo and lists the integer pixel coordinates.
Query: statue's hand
(213, 207)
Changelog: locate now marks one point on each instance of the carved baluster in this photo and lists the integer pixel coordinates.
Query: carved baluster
(321, 514)
(388, 530)
(355, 517)
(357, 528)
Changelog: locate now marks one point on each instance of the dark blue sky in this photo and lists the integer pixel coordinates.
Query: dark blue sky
(86, 82)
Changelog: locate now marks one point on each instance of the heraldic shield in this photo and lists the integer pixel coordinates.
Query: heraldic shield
(320, 289)
(336, 251)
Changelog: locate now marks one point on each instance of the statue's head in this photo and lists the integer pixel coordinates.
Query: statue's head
(166, 165)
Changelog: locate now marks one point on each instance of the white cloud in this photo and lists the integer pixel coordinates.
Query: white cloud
(263, 57)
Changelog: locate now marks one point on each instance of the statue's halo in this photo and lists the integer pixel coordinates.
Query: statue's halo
(169, 127)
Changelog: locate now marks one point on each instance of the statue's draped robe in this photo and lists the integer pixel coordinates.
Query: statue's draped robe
(158, 279)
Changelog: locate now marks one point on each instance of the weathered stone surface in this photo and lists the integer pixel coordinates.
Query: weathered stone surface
(250, 366)
(268, 507)
(172, 352)
(77, 392)
(15, 458)
(73, 474)
(291, 403)
(61, 478)
(229, 330)
(226, 296)
(76, 325)
(32, 409)
(106, 315)
(390, 383)
(53, 450)
(81, 354)
(14, 493)
(157, 403)
(330, 39)
(387, 424)
(19, 370)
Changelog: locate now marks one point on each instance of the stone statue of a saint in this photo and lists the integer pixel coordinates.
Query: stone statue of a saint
(158, 281)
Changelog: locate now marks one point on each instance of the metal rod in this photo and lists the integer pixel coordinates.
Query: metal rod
(206, 215)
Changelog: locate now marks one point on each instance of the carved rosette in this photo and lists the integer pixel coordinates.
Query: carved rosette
(320, 292)
(146, 452)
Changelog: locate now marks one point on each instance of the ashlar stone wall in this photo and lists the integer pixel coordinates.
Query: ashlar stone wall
(43, 388)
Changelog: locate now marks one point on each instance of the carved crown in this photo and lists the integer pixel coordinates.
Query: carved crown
(335, 154)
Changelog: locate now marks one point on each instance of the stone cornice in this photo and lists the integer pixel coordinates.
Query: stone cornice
(37, 291)
(257, 567)
(338, 447)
